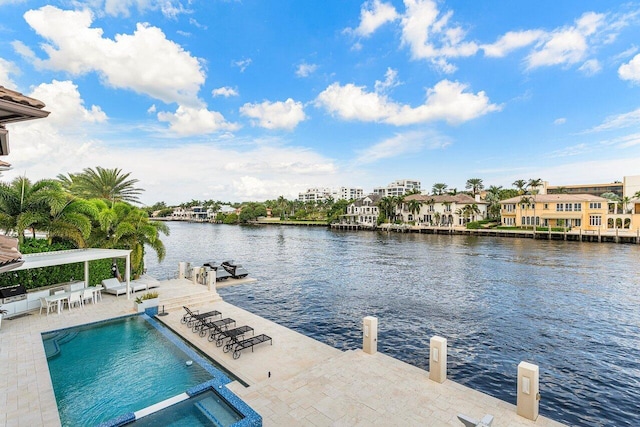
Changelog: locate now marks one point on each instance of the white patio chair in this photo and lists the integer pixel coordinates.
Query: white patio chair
(87, 295)
(49, 305)
(75, 298)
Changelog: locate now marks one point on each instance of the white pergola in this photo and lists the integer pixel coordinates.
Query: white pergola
(48, 259)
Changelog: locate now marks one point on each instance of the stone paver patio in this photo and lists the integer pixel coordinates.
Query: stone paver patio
(295, 381)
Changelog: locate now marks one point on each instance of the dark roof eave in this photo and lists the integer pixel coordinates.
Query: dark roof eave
(19, 112)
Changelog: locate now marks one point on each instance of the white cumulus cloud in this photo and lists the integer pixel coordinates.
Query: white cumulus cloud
(511, 41)
(66, 105)
(304, 69)
(446, 101)
(128, 61)
(169, 8)
(224, 91)
(196, 121)
(275, 115)
(373, 15)
(390, 81)
(591, 67)
(431, 36)
(567, 45)
(8, 68)
(631, 70)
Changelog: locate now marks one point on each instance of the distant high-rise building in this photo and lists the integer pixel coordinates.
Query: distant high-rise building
(321, 194)
(398, 188)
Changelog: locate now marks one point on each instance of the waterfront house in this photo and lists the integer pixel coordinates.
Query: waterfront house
(444, 210)
(582, 211)
(14, 107)
(363, 212)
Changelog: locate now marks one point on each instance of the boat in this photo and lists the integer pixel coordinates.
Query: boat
(236, 270)
(221, 273)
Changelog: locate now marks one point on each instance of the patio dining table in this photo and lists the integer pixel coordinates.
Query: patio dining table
(64, 296)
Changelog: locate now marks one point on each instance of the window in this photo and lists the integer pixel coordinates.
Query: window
(595, 205)
(577, 222)
(546, 205)
(559, 207)
(577, 207)
(568, 207)
(595, 220)
(522, 219)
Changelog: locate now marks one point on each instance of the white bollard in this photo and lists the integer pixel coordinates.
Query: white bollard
(528, 401)
(182, 270)
(370, 334)
(197, 271)
(211, 281)
(438, 359)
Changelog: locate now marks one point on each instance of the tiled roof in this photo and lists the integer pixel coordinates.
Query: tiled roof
(375, 198)
(18, 98)
(460, 199)
(551, 198)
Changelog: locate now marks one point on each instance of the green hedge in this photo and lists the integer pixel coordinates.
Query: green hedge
(38, 277)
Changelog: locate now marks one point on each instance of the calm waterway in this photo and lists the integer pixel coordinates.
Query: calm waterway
(571, 308)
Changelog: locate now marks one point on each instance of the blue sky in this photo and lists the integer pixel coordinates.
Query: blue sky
(250, 100)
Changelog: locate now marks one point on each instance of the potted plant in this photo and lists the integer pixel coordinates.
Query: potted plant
(2, 313)
(148, 300)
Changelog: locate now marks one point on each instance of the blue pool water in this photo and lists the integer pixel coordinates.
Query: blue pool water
(208, 408)
(111, 368)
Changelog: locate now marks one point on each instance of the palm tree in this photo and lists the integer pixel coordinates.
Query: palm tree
(520, 185)
(414, 206)
(530, 201)
(25, 205)
(439, 188)
(387, 206)
(70, 220)
(475, 185)
(533, 185)
(453, 191)
(624, 202)
(101, 183)
(493, 198)
(123, 226)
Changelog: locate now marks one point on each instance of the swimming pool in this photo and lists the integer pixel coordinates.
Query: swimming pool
(104, 370)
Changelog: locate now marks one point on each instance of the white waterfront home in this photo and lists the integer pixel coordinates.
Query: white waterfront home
(363, 212)
(443, 210)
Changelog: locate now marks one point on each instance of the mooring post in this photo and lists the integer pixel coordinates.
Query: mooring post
(370, 334)
(528, 396)
(438, 359)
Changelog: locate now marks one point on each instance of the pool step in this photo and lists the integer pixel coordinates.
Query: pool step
(53, 341)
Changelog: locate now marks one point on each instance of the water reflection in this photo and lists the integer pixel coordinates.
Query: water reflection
(569, 307)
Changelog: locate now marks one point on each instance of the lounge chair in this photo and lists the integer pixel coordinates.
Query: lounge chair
(189, 315)
(250, 343)
(114, 287)
(145, 282)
